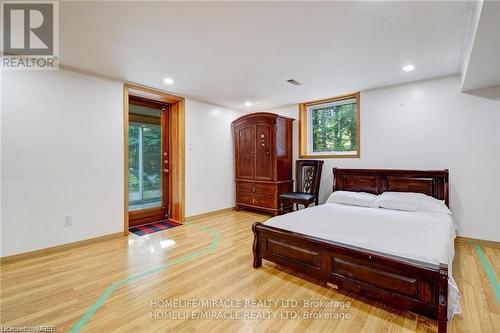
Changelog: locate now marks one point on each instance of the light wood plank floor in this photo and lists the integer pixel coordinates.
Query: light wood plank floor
(58, 289)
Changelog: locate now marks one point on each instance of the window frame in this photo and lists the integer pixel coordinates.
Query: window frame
(305, 136)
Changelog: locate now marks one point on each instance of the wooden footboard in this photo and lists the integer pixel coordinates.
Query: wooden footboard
(402, 283)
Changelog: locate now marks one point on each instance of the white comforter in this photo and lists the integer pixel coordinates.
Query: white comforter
(427, 237)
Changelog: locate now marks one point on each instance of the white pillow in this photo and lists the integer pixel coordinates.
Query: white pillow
(353, 198)
(413, 202)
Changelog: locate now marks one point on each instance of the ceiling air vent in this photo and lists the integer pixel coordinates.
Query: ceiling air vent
(293, 82)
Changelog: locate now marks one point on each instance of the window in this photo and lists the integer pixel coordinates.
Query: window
(330, 127)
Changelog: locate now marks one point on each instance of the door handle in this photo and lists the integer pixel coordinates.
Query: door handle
(166, 170)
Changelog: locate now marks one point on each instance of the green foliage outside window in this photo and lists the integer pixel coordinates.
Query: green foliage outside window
(133, 158)
(151, 137)
(334, 128)
(151, 162)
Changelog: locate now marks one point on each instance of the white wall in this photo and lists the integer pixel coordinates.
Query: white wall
(62, 153)
(1, 158)
(481, 68)
(431, 125)
(209, 158)
(473, 17)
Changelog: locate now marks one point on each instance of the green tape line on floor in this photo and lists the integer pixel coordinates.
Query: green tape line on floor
(489, 272)
(100, 301)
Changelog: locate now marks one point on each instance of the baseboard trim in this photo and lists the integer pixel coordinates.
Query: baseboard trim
(468, 240)
(215, 212)
(54, 249)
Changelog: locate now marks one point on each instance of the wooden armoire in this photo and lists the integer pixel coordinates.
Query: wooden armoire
(263, 160)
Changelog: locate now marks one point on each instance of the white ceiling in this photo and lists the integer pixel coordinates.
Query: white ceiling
(227, 53)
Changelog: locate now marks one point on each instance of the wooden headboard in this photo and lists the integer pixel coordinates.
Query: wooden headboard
(376, 181)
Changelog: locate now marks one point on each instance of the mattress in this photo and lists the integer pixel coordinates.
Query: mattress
(427, 237)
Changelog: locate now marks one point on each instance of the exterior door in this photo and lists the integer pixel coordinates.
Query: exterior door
(263, 151)
(245, 168)
(148, 161)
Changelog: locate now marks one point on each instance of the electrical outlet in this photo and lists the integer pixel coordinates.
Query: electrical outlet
(68, 220)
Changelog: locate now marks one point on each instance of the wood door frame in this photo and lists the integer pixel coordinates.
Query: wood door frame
(176, 140)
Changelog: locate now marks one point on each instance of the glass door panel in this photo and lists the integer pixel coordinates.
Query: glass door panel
(148, 161)
(145, 168)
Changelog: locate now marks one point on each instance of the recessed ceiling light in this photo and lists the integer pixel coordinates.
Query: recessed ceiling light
(168, 80)
(408, 68)
(248, 104)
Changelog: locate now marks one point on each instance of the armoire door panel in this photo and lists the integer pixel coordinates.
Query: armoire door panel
(264, 152)
(245, 150)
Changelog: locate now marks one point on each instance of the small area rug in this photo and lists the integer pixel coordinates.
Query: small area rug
(153, 227)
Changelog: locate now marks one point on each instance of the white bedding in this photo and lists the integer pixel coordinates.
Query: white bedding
(427, 237)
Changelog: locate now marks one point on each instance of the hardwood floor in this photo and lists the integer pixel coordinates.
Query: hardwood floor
(59, 288)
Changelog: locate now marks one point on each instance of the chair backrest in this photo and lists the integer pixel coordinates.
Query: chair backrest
(308, 176)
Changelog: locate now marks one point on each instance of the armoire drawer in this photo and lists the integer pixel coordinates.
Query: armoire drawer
(262, 200)
(257, 188)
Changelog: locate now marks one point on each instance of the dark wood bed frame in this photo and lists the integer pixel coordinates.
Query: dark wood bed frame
(402, 283)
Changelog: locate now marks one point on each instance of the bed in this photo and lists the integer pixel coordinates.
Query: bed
(401, 258)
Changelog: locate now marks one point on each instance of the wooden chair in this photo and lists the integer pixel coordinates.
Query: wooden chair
(308, 178)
